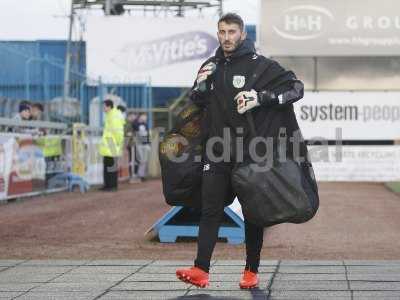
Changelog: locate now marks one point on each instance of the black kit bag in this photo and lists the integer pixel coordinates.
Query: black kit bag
(180, 155)
(282, 192)
(278, 192)
(182, 178)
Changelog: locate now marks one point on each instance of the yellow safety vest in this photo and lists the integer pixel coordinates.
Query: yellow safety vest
(51, 146)
(112, 141)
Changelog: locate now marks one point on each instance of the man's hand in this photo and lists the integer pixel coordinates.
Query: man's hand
(202, 76)
(246, 100)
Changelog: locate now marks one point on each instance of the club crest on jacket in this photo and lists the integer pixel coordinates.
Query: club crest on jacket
(238, 81)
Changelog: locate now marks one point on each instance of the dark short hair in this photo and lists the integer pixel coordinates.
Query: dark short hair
(23, 106)
(109, 103)
(232, 18)
(39, 106)
(121, 108)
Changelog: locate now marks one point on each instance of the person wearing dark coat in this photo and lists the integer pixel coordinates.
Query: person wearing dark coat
(219, 90)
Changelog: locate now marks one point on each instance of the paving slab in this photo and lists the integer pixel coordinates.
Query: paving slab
(266, 262)
(371, 262)
(374, 269)
(153, 277)
(151, 286)
(179, 263)
(53, 287)
(9, 262)
(105, 269)
(171, 277)
(242, 263)
(37, 270)
(58, 296)
(17, 287)
(309, 285)
(140, 279)
(223, 269)
(26, 278)
(89, 278)
(308, 276)
(51, 262)
(232, 269)
(141, 295)
(264, 277)
(310, 295)
(359, 295)
(239, 269)
(237, 295)
(119, 262)
(374, 286)
(373, 277)
(311, 263)
(158, 270)
(10, 295)
(228, 286)
(312, 269)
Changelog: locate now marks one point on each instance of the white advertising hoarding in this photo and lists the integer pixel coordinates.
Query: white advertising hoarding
(323, 28)
(169, 51)
(7, 144)
(356, 163)
(349, 115)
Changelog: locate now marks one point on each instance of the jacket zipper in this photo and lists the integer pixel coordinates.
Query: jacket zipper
(224, 100)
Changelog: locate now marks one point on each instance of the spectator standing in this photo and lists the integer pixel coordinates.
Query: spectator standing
(111, 145)
(130, 132)
(24, 112)
(142, 146)
(37, 112)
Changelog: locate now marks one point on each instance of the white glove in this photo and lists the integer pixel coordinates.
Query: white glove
(204, 72)
(246, 100)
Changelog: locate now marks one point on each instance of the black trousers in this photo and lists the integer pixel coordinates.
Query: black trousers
(53, 167)
(216, 187)
(110, 172)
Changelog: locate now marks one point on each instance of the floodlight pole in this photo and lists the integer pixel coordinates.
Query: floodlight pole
(67, 67)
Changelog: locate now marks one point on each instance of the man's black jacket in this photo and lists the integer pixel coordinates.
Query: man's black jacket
(277, 88)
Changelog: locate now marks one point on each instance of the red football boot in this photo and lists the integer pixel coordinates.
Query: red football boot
(194, 275)
(249, 280)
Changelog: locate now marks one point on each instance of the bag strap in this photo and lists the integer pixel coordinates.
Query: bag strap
(248, 86)
(249, 116)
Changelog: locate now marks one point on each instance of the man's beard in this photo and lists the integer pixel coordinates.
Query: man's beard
(235, 46)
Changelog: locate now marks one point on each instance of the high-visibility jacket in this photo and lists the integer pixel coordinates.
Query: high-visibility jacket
(112, 141)
(51, 146)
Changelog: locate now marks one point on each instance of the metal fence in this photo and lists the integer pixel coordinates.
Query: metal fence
(24, 76)
(42, 157)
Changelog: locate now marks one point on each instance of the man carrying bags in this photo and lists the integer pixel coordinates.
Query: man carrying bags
(221, 89)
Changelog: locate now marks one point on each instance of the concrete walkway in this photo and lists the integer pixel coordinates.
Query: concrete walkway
(141, 279)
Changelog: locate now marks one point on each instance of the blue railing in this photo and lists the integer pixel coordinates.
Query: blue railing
(24, 76)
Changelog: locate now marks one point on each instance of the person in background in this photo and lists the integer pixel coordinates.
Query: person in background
(131, 122)
(130, 132)
(122, 109)
(142, 146)
(111, 145)
(37, 112)
(24, 112)
(51, 144)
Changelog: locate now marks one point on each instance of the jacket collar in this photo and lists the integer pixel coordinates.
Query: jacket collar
(246, 47)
